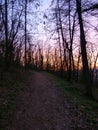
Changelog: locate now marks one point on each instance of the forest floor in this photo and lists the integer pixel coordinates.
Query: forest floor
(33, 101)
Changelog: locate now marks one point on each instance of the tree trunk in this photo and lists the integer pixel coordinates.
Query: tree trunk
(86, 73)
(57, 15)
(6, 35)
(25, 34)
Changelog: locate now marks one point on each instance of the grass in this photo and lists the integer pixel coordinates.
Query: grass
(74, 93)
(10, 86)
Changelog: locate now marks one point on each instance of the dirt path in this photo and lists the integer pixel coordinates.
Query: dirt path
(41, 106)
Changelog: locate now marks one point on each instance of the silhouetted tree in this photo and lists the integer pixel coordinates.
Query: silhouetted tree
(6, 34)
(86, 72)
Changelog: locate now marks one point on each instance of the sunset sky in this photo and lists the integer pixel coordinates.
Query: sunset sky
(44, 8)
(41, 29)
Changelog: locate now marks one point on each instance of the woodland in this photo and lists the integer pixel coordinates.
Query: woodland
(60, 41)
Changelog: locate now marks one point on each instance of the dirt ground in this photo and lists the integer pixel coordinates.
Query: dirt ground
(41, 106)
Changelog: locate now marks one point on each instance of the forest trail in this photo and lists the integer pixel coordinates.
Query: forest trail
(41, 106)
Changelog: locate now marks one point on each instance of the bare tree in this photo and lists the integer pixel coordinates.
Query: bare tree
(6, 34)
(86, 72)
